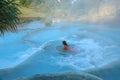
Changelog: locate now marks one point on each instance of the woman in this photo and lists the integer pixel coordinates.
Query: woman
(66, 47)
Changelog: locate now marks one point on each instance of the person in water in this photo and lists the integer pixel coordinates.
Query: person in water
(65, 45)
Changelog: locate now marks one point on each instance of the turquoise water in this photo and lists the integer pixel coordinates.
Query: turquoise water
(34, 50)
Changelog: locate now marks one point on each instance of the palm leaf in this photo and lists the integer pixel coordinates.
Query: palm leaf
(9, 13)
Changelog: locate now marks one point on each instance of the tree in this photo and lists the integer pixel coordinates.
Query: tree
(27, 3)
(9, 13)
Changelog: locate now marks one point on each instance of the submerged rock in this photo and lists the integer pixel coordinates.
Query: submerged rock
(62, 76)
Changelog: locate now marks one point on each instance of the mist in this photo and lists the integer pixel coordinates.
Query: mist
(93, 11)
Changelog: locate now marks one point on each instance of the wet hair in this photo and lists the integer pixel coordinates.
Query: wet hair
(64, 43)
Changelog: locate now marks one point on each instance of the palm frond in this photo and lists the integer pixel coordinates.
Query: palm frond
(9, 13)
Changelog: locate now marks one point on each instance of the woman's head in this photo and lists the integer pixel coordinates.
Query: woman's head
(64, 43)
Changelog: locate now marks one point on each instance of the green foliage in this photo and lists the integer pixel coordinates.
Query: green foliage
(8, 15)
(26, 2)
(29, 2)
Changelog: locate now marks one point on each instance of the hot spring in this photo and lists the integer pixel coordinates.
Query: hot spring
(37, 48)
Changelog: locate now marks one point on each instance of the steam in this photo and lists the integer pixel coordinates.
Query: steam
(59, 0)
(97, 11)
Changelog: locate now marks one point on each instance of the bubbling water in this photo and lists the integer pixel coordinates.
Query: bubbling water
(89, 54)
(95, 45)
